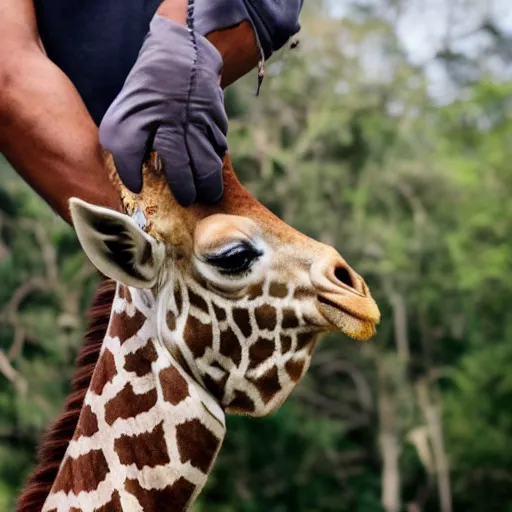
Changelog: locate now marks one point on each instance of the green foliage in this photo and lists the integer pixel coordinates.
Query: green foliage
(478, 426)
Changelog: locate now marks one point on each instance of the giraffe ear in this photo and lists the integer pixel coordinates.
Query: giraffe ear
(116, 246)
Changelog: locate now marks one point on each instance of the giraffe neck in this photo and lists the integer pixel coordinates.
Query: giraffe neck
(148, 434)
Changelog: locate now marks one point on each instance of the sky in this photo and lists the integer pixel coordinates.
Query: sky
(422, 27)
(423, 24)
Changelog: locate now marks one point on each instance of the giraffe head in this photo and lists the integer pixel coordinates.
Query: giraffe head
(237, 296)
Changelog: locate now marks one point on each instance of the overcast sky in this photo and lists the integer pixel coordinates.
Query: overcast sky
(423, 24)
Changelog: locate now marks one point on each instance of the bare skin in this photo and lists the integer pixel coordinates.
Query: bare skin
(46, 132)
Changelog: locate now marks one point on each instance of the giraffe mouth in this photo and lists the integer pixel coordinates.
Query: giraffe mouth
(359, 324)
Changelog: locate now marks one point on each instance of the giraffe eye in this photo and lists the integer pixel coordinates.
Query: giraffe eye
(234, 260)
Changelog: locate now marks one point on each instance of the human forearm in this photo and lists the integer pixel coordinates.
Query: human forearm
(50, 139)
(45, 130)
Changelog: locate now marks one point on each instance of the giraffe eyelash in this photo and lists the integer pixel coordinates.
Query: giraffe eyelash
(235, 260)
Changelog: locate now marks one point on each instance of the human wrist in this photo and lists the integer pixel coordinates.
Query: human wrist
(165, 33)
(167, 44)
(175, 10)
(273, 22)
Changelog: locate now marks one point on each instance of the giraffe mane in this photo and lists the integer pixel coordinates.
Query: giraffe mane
(57, 437)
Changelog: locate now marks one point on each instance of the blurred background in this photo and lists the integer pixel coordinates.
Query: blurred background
(386, 132)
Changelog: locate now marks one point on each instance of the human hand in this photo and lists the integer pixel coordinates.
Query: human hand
(171, 102)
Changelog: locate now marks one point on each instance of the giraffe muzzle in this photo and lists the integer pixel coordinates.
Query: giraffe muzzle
(344, 299)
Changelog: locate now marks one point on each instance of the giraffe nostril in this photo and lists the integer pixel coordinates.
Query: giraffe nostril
(334, 275)
(343, 276)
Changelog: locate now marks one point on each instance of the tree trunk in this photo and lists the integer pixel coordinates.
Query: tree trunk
(432, 414)
(389, 444)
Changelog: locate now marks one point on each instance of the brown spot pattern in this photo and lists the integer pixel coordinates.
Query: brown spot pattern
(230, 346)
(241, 318)
(241, 403)
(304, 339)
(220, 313)
(82, 474)
(295, 369)
(125, 327)
(104, 372)
(87, 424)
(255, 291)
(196, 444)
(278, 290)
(171, 320)
(178, 298)
(114, 505)
(197, 301)
(266, 317)
(290, 320)
(260, 352)
(147, 449)
(124, 293)
(216, 388)
(286, 343)
(128, 405)
(197, 336)
(140, 360)
(172, 497)
(302, 293)
(268, 384)
(174, 386)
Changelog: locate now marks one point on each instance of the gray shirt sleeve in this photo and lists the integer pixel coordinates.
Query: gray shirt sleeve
(274, 21)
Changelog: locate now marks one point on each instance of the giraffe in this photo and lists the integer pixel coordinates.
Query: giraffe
(217, 310)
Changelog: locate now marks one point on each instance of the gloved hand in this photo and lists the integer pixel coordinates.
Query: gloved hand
(172, 102)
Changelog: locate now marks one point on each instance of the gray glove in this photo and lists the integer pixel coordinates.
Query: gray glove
(171, 102)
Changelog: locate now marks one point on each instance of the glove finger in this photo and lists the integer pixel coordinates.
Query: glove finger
(128, 161)
(219, 141)
(170, 145)
(219, 116)
(128, 144)
(212, 116)
(206, 164)
(215, 133)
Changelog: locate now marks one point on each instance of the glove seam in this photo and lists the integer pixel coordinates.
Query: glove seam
(193, 71)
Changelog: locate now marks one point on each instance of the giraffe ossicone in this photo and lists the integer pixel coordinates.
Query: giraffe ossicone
(217, 309)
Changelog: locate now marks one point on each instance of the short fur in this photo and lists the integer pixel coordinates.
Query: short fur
(56, 439)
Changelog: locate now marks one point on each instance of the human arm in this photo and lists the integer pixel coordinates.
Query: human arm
(46, 132)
